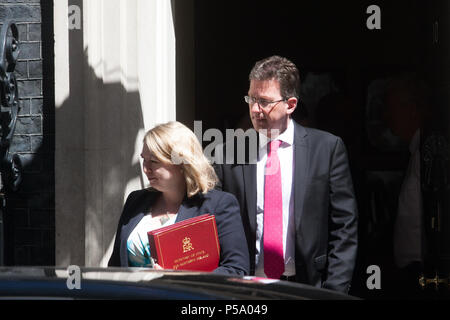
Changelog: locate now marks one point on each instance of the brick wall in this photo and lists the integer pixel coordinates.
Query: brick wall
(30, 216)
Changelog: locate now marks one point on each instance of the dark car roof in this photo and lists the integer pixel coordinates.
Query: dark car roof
(140, 283)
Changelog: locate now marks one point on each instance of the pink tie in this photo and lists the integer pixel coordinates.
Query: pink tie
(273, 215)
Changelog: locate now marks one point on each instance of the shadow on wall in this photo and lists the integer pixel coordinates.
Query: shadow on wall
(98, 127)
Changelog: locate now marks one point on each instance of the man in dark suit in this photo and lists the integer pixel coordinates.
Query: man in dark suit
(297, 200)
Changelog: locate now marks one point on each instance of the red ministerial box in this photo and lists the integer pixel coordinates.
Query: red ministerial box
(191, 244)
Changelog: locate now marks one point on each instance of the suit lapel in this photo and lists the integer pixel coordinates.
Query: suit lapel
(249, 171)
(301, 154)
(249, 174)
(187, 210)
(136, 215)
(140, 211)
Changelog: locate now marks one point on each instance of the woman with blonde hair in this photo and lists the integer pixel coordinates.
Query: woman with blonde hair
(182, 185)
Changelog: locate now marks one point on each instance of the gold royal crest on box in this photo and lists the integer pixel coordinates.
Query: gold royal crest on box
(187, 245)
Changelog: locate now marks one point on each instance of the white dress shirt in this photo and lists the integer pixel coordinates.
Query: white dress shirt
(286, 156)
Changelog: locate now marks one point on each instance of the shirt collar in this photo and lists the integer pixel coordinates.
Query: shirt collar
(287, 136)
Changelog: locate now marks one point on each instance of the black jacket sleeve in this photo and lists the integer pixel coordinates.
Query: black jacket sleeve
(234, 256)
(343, 232)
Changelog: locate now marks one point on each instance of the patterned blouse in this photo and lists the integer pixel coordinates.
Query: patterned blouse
(137, 243)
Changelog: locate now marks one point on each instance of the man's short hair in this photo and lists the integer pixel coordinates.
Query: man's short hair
(280, 69)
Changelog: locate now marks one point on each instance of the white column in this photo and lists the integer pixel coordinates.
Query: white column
(156, 34)
(69, 146)
(128, 85)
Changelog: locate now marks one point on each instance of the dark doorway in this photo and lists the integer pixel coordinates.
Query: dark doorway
(347, 71)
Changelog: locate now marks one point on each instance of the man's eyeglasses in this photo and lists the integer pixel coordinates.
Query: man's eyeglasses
(263, 103)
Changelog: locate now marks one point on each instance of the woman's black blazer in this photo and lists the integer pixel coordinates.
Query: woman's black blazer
(234, 256)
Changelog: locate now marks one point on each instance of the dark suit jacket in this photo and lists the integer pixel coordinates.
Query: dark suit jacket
(234, 257)
(324, 204)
